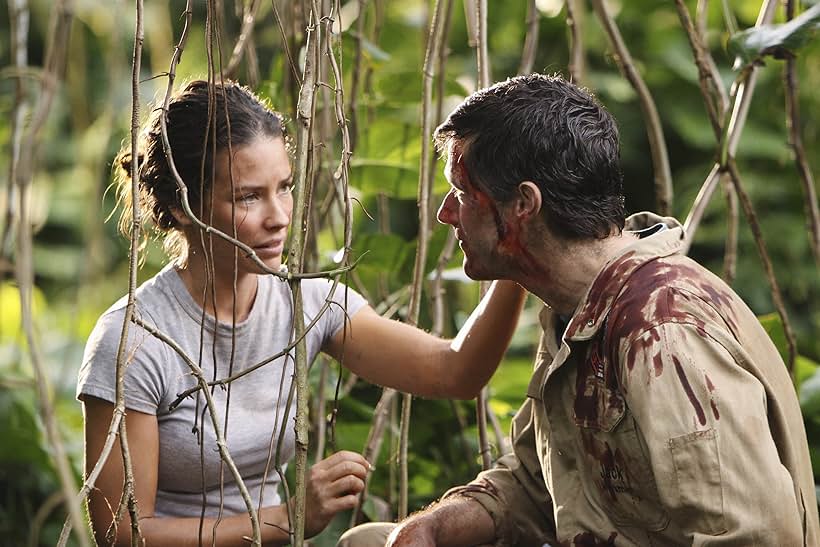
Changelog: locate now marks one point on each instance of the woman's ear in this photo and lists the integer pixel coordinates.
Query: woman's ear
(180, 216)
(528, 202)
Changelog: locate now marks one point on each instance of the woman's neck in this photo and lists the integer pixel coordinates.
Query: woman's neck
(214, 289)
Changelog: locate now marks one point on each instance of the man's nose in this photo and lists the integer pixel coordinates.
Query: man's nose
(446, 213)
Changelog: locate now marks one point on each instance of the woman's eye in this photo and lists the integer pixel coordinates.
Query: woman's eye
(286, 188)
(248, 198)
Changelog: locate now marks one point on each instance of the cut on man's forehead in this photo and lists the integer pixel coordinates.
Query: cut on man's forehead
(460, 176)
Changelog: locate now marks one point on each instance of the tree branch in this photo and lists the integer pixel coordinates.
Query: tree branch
(575, 22)
(304, 120)
(484, 72)
(285, 42)
(19, 17)
(711, 86)
(429, 73)
(740, 97)
(745, 86)
(136, 223)
(732, 230)
(777, 297)
(251, 13)
(796, 143)
(356, 75)
(657, 142)
(531, 39)
(54, 66)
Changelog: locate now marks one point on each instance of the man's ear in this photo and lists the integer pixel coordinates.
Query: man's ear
(528, 200)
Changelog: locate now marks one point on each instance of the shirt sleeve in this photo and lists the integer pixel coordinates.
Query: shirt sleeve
(334, 305)
(703, 419)
(514, 492)
(145, 382)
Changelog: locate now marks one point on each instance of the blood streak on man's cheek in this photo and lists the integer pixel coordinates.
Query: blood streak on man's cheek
(509, 236)
(483, 201)
(512, 245)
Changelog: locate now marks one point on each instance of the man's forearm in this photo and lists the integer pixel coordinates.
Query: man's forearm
(454, 522)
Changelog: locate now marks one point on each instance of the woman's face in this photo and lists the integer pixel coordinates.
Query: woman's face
(259, 202)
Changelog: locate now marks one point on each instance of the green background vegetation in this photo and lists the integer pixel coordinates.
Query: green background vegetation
(81, 261)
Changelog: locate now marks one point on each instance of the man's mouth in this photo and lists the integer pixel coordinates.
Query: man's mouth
(459, 238)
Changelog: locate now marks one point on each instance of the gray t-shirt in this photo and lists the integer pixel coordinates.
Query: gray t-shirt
(156, 374)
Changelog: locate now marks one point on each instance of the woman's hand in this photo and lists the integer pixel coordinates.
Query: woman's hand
(333, 485)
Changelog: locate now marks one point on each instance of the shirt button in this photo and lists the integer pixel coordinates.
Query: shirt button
(590, 323)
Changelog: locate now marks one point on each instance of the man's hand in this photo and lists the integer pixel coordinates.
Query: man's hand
(455, 521)
(333, 485)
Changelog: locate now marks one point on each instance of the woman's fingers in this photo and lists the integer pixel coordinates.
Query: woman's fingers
(345, 457)
(344, 503)
(349, 484)
(338, 466)
(333, 485)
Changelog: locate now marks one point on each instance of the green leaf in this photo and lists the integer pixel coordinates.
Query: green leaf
(22, 434)
(374, 51)
(774, 328)
(11, 325)
(778, 41)
(810, 396)
(804, 368)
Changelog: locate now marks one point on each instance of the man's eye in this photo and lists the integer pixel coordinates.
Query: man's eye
(286, 188)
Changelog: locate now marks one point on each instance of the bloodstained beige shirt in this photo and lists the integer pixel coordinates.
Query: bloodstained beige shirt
(665, 417)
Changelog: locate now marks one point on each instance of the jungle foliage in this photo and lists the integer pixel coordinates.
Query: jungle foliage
(80, 263)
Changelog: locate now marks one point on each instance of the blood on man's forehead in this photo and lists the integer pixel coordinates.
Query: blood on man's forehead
(459, 168)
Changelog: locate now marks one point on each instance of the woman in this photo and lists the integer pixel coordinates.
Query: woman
(226, 316)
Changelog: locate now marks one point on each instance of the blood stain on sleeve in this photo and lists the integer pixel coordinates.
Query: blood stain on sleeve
(684, 381)
(711, 387)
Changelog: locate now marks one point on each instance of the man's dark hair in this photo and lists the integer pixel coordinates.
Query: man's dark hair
(548, 131)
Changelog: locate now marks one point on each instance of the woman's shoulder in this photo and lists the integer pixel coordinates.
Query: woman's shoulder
(150, 298)
(315, 291)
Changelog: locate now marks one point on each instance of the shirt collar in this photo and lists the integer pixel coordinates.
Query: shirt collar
(600, 295)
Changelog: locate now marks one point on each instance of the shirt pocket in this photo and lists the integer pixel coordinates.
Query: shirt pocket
(697, 472)
(619, 478)
(616, 471)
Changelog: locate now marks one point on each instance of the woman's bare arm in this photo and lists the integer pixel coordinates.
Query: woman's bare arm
(396, 355)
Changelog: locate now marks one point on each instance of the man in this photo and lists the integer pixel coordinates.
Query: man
(659, 412)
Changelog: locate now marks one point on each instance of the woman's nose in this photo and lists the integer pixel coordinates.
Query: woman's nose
(278, 211)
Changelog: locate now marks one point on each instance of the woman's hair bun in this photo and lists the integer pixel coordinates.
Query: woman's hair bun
(124, 161)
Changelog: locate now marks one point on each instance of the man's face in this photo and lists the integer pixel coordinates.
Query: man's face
(475, 216)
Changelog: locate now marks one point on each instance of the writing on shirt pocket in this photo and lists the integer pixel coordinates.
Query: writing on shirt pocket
(697, 471)
(621, 481)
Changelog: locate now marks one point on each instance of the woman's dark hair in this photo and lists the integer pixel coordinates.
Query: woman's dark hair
(198, 121)
(548, 131)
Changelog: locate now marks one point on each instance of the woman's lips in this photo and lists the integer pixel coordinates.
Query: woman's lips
(270, 249)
